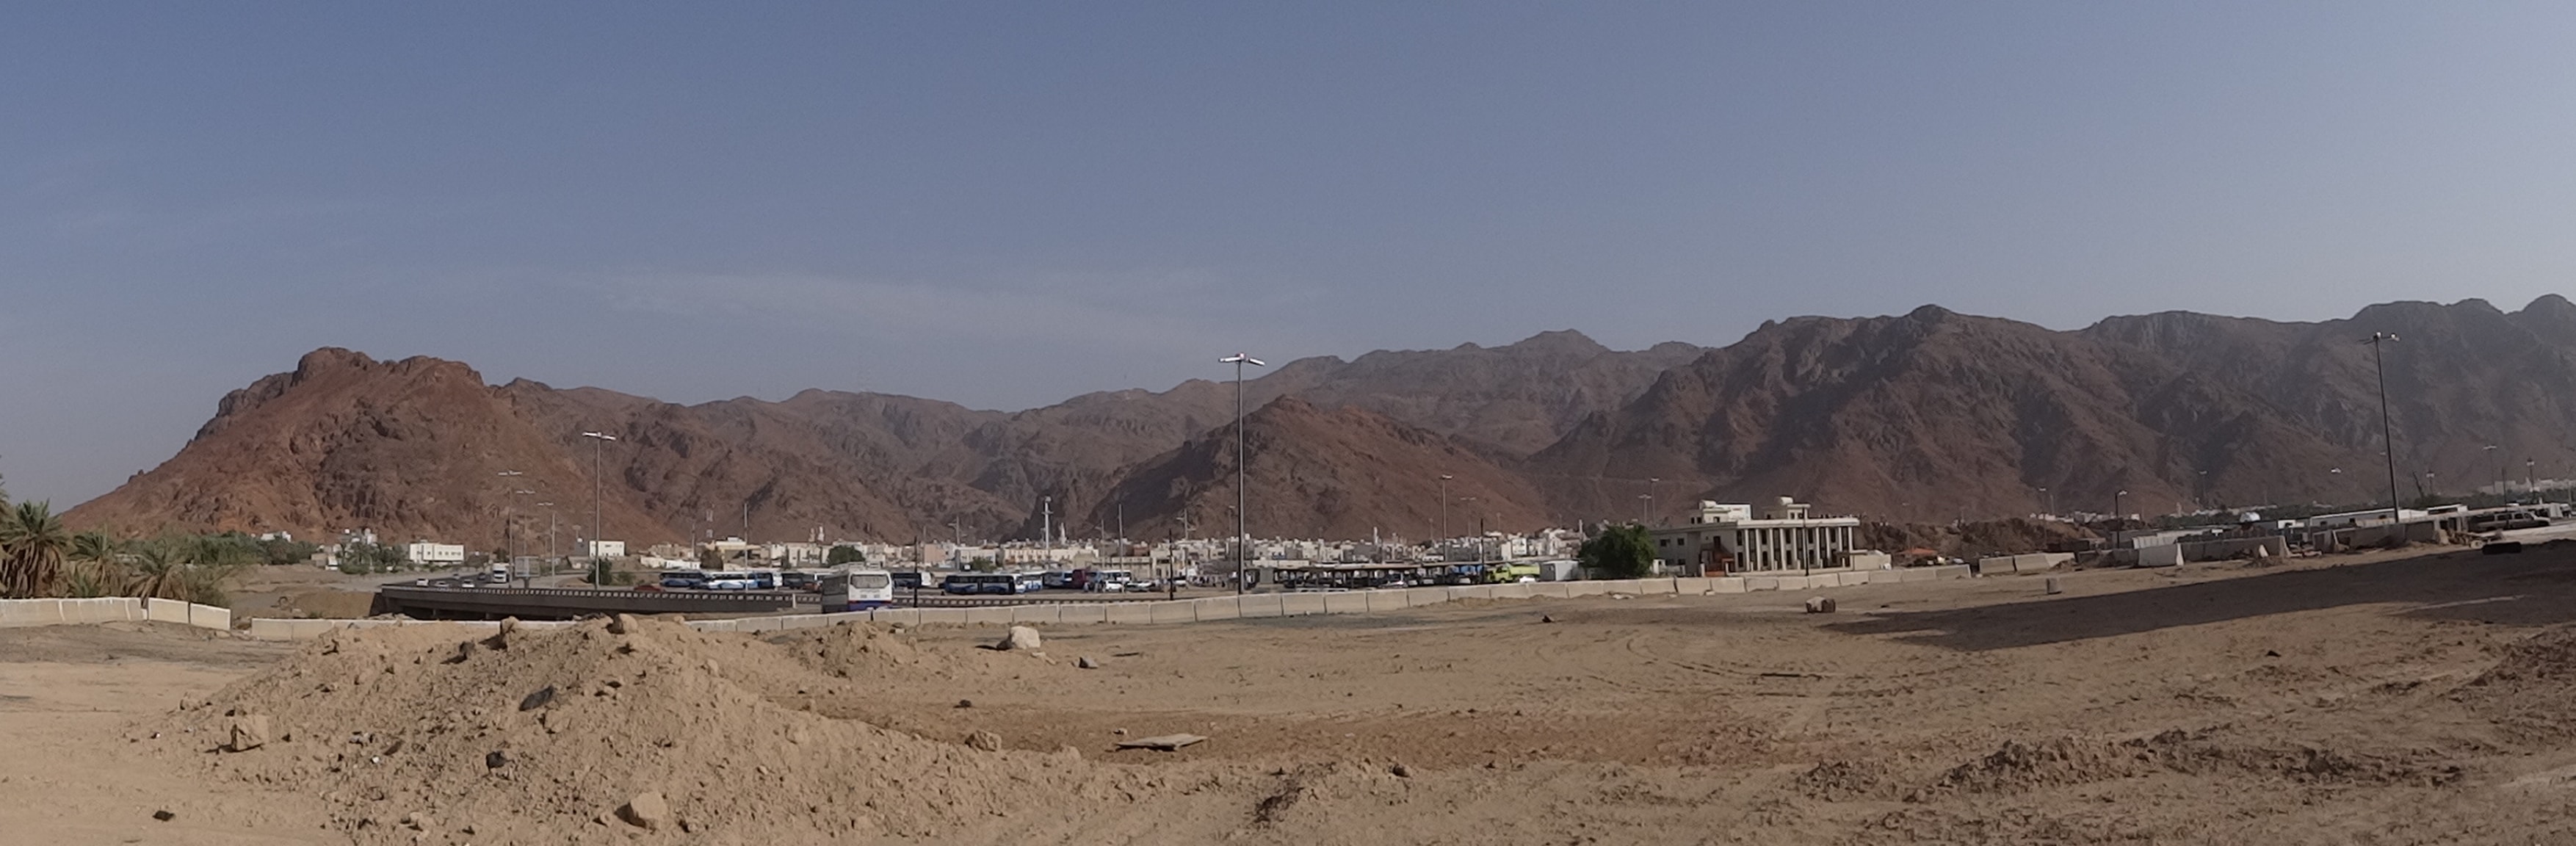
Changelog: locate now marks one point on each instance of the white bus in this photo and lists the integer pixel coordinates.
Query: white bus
(853, 589)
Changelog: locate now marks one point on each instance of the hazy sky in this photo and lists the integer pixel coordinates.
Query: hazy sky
(1006, 205)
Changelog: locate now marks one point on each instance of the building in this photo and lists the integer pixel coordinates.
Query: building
(1729, 538)
(606, 549)
(428, 554)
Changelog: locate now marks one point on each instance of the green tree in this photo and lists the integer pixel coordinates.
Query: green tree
(33, 543)
(1619, 552)
(361, 557)
(159, 567)
(843, 555)
(95, 567)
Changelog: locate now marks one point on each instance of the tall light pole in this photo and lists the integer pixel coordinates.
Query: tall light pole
(2387, 435)
(1240, 532)
(2491, 453)
(506, 502)
(1444, 507)
(2052, 501)
(2119, 518)
(598, 488)
(550, 536)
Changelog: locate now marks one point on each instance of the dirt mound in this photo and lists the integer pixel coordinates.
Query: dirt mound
(1843, 781)
(2017, 767)
(544, 735)
(2531, 691)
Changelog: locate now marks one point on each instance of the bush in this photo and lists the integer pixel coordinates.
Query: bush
(1619, 552)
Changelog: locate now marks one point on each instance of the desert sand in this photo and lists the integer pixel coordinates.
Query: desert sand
(2387, 699)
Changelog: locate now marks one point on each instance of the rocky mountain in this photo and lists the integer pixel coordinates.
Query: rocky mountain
(1341, 473)
(1931, 415)
(416, 448)
(1935, 415)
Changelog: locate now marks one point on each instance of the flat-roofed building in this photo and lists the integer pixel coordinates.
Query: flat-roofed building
(1736, 538)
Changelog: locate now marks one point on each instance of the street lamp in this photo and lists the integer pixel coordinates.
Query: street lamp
(2387, 436)
(2119, 517)
(1240, 533)
(505, 509)
(1444, 507)
(550, 536)
(598, 487)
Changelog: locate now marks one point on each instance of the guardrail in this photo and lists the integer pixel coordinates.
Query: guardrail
(539, 603)
(1041, 611)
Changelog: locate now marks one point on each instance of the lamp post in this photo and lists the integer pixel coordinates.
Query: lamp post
(505, 509)
(1240, 532)
(598, 487)
(2119, 518)
(550, 536)
(2491, 453)
(1444, 507)
(2387, 435)
(2051, 501)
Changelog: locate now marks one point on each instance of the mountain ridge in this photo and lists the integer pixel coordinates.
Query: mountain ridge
(1931, 414)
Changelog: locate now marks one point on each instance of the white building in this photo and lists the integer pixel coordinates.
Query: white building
(606, 549)
(1730, 538)
(428, 554)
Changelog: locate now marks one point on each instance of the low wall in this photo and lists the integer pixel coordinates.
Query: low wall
(2222, 550)
(56, 612)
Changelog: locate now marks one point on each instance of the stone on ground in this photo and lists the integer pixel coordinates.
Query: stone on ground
(1021, 639)
(646, 811)
(250, 731)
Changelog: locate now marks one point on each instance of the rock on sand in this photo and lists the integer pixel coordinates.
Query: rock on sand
(1021, 639)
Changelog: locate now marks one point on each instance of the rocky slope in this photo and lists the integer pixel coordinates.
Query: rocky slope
(1931, 415)
(1936, 415)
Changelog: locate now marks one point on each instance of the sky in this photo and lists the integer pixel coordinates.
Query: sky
(1007, 204)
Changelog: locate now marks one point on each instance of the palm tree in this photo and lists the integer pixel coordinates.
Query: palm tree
(160, 569)
(95, 567)
(32, 544)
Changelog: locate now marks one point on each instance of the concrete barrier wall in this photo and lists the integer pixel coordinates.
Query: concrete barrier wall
(1262, 605)
(2221, 550)
(111, 609)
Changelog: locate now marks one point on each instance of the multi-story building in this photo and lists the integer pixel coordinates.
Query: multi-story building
(427, 554)
(1731, 538)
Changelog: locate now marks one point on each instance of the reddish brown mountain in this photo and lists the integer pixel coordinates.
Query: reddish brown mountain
(1930, 415)
(1310, 472)
(1935, 415)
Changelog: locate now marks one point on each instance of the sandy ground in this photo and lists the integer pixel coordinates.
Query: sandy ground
(2346, 700)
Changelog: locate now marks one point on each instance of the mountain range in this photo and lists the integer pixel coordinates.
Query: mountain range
(1924, 416)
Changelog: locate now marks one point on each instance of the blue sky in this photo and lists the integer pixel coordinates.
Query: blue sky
(1008, 204)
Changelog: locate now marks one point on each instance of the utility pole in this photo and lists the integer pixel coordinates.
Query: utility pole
(2387, 435)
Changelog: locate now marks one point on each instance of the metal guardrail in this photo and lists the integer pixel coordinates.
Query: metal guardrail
(538, 603)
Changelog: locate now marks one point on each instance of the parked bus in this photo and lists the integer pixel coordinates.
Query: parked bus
(975, 583)
(857, 590)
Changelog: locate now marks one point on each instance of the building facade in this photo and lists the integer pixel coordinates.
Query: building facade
(427, 554)
(1723, 538)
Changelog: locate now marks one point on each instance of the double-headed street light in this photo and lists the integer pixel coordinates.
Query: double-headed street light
(1241, 535)
(598, 488)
